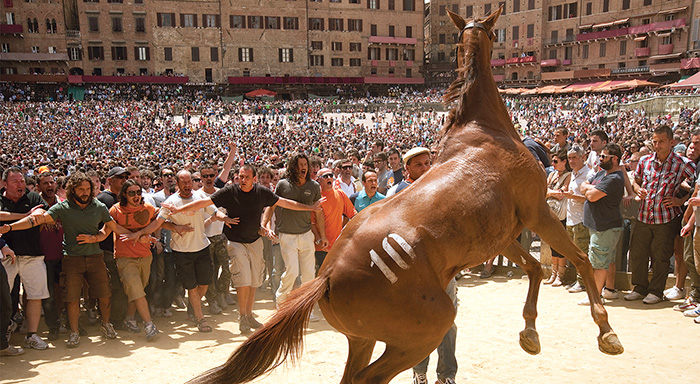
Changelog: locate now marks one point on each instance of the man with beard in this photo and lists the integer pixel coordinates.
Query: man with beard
(601, 213)
(296, 238)
(80, 216)
(51, 239)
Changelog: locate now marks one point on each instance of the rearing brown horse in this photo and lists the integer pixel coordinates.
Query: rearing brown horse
(385, 277)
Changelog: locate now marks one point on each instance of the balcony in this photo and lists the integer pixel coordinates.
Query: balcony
(663, 25)
(665, 49)
(73, 34)
(602, 34)
(642, 52)
(528, 59)
(393, 40)
(521, 60)
(690, 63)
(499, 78)
(11, 28)
(566, 62)
(498, 62)
(664, 68)
(550, 63)
(632, 70)
(561, 75)
(513, 60)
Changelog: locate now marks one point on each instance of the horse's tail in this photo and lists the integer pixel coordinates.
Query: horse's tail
(269, 346)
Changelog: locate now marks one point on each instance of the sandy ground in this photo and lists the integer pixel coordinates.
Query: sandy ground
(659, 345)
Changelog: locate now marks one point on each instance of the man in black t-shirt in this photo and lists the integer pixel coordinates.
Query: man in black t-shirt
(116, 178)
(601, 214)
(244, 203)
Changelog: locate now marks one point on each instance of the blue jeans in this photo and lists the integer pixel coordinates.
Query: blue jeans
(447, 362)
(163, 284)
(51, 312)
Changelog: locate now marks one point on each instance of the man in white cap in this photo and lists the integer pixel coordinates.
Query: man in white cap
(417, 162)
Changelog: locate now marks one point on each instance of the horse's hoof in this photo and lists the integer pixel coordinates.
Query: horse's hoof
(530, 341)
(610, 344)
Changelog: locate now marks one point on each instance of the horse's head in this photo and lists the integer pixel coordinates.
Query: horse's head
(479, 26)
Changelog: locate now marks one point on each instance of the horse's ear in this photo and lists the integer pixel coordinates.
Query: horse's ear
(457, 20)
(491, 20)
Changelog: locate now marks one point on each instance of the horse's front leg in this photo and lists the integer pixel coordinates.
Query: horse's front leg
(529, 339)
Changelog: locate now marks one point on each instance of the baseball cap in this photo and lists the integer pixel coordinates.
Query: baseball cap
(117, 171)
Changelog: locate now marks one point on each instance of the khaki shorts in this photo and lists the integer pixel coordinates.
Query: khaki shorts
(134, 273)
(247, 263)
(77, 269)
(32, 274)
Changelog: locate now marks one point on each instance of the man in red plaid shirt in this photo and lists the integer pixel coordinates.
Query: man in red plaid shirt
(658, 178)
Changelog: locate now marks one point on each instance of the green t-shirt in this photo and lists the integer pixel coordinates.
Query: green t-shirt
(296, 222)
(77, 221)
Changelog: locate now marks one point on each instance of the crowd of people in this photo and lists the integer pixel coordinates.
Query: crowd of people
(162, 196)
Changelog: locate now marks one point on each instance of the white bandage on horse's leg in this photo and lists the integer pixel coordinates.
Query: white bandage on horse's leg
(393, 254)
(382, 266)
(403, 244)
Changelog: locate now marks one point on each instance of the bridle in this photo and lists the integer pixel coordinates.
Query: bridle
(470, 25)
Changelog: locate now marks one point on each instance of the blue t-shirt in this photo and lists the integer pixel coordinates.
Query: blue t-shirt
(362, 201)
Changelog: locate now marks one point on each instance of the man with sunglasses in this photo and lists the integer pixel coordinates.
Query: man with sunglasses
(337, 211)
(115, 179)
(165, 284)
(383, 172)
(346, 182)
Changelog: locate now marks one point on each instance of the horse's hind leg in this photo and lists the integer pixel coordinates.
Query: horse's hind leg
(555, 235)
(529, 339)
(394, 360)
(359, 355)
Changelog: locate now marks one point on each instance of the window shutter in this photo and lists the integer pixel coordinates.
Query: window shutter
(182, 19)
(159, 19)
(148, 53)
(240, 54)
(251, 54)
(291, 55)
(114, 53)
(218, 21)
(172, 17)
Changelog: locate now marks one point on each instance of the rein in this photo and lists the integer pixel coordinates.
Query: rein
(471, 25)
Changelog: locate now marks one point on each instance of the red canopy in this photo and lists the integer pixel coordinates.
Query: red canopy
(260, 92)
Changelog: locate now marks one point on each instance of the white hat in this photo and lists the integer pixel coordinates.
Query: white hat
(414, 152)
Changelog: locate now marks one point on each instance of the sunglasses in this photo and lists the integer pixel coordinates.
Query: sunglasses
(197, 180)
(327, 176)
(555, 161)
(346, 167)
(604, 156)
(213, 175)
(168, 175)
(133, 193)
(156, 185)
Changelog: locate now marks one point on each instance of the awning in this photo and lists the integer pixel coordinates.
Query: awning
(691, 82)
(621, 21)
(669, 56)
(260, 92)
(664, 34)
(640, 38)
(674, 10)
(604, 25)
(585, 26)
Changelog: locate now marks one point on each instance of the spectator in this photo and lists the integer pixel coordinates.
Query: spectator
(368, 194)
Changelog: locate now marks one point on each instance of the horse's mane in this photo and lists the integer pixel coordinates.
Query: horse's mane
(459, 89)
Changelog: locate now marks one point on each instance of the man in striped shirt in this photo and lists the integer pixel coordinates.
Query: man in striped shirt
(658, 178)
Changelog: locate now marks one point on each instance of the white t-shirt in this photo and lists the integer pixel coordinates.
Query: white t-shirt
(593, 161)
(574, 209)
(214, 227)
(193, 241)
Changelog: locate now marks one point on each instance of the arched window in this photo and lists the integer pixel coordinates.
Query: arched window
(54, 28)
(48, 26)
(36, 25)
(30, 26)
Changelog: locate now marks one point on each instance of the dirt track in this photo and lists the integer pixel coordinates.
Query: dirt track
(660, 344)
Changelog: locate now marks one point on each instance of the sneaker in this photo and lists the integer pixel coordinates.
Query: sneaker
(229, 298)
(35, 342)
(634, 295)
(11, 351)
(92, 315)
(610, 295)
(167, 313)
(674, 293)
(446, 381)
(221, 301)
(243, 325)
(313, 318)
(73, 340)
(586, 301)
(53, 334)
(688, 304)
(11, 328)
(577, 288)
(131, 325)
(214, 308)
(692, 312)
(696, 320)
(420, 378)
(180, 302)
(108, 330)
(151, 331)
(254, 323)
(652, 299)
